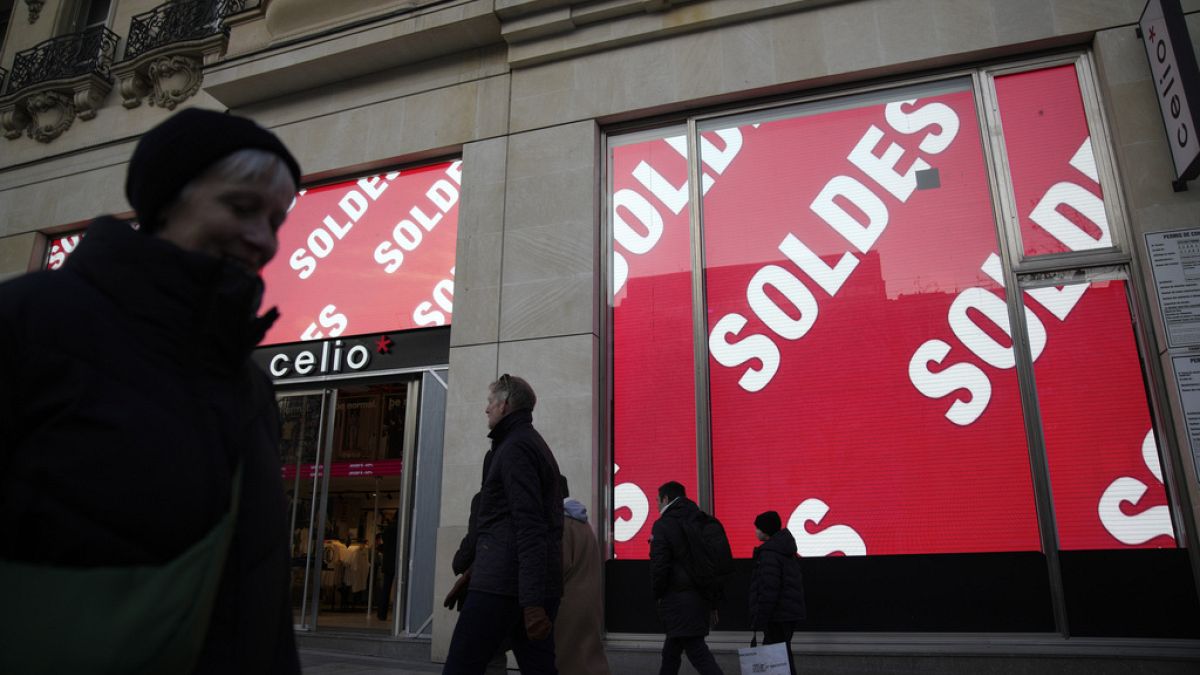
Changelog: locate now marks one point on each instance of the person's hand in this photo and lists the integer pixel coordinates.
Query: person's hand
(458, 592)
(537, 624)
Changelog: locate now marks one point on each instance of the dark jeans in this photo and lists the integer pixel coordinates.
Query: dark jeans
(781, 631)
(488, 621)
(697, 652)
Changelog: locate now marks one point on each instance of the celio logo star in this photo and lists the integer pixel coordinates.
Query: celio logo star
(383, 345)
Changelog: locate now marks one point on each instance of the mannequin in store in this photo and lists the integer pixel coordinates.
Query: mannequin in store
(130, 406)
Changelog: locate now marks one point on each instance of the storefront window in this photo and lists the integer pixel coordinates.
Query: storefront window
(862, 380)
(366, 256)
(61, 247)
(654, 392)
(863, 376)
(1105, 471)
(1052, 162)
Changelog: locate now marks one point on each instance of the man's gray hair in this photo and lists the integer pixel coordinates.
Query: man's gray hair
(515, 390)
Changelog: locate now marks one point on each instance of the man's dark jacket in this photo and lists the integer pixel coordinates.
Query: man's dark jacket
(518, 545)
(681, 605)
(776, 586)
(127, 399)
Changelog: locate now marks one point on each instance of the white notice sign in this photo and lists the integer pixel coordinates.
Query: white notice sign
(1175, 259)
(1187, 378)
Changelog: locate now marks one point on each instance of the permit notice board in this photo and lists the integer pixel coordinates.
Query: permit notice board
(1175, 261)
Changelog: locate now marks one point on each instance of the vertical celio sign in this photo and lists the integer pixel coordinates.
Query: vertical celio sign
(1176, 82)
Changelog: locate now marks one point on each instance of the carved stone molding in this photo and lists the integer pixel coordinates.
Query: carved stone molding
(175, 79)
(35, 9)
(51, 113)
(44, 111)
(14, 120)
(168, 75)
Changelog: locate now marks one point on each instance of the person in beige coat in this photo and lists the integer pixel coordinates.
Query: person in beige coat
(578, 647)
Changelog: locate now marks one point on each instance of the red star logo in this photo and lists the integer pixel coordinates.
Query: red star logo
(383, 345)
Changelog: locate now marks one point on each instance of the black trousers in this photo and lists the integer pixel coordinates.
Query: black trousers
(697, 652)
(489, 621)
(781, 631)
(383, 595)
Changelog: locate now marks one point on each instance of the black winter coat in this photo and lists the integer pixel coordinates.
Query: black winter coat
(518, 545)
(127, 398)
(682, 608)
(776, 586)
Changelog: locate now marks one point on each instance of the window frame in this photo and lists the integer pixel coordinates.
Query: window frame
(1021, 272)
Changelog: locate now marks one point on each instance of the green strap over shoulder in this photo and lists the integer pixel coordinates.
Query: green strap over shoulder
(130, 620)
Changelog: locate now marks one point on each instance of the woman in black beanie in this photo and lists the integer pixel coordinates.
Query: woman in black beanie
(132, 417)
(776, 586)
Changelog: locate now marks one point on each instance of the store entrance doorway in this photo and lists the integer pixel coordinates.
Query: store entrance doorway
(346, 454)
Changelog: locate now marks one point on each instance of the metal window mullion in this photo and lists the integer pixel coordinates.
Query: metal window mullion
(407, 503)
(704, 476)
(1004, 203)
(607, 479)
(328, 410)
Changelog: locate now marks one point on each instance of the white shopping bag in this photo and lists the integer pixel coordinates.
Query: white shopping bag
(764, 659)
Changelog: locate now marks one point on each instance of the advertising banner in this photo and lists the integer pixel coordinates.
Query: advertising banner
(861, 361)
(367, 256)
(363, 256)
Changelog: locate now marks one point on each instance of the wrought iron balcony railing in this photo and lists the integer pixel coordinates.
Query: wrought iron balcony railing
(180, 20)
(3, 77)
(90, 51)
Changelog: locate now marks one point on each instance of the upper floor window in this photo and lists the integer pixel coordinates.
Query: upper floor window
(84, 14)
(6, 10)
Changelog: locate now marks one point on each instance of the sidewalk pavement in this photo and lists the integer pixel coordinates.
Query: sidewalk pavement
(317, 662)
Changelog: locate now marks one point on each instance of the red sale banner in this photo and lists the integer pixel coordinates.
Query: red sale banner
(862, 370)
(60, 248)
(1055, 183)
(366, 256)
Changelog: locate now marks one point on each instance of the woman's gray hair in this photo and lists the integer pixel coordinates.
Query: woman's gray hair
(248, 164)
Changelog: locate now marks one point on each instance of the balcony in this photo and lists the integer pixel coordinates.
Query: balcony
(56, 81)
(168, 47)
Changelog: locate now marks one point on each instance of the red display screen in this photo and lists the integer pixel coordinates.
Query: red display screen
(862, 376)
(60, 248)
(366, 256)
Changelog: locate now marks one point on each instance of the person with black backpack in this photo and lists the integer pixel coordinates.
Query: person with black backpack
(689, 560)
(776, 586)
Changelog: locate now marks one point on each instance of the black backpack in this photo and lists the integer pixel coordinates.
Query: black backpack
(709, 560)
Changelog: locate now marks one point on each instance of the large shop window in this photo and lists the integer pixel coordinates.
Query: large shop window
(862, 375)
(364, 256)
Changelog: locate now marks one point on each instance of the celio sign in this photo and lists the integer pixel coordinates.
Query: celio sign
(327, 357)
(1176, 81)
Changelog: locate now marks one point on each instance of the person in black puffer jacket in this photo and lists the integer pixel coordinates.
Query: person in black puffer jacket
(776, 587)
(128, 398)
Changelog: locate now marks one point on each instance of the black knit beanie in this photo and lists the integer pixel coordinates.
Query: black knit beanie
(768, 522)
(184, 146)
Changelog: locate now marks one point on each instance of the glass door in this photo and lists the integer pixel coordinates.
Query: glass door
(346, 454)
(301, 416)
(366, 507)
